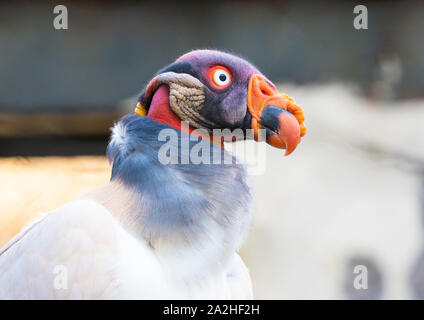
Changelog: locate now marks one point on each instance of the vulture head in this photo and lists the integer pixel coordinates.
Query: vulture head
(215, 90)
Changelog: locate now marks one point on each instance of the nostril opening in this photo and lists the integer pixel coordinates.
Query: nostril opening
(266, 92)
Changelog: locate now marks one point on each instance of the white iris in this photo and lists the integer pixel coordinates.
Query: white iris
(221, 77)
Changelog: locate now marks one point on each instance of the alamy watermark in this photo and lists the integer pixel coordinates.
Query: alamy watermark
(177, 150)
(60, 281)
(360, 21)
(360, 282)
(61, 20)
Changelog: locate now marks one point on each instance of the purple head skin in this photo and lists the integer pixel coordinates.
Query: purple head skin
(226, 106)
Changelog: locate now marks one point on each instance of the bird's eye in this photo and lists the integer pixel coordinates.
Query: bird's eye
(220, 77)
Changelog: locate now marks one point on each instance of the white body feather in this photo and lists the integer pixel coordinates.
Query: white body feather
(81, 251)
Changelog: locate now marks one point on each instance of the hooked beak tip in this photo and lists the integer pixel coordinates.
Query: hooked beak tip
(275, 112)
(283, 128)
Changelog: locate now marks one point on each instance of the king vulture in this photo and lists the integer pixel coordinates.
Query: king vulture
(165, 226)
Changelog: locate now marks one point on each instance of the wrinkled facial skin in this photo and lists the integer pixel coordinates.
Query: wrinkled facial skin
(226, 107)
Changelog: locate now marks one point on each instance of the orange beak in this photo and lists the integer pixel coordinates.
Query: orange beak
(276, 113)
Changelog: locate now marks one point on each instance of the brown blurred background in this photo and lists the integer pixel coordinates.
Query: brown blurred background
(352, 194)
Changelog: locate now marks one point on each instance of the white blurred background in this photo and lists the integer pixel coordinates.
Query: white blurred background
(350, 195)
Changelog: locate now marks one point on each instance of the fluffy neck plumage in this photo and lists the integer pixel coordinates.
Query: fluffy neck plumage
(195, 209)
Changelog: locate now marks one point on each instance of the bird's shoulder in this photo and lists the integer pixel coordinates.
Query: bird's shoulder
(62, 255)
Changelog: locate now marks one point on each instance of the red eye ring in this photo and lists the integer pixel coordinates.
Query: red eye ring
(220, 77)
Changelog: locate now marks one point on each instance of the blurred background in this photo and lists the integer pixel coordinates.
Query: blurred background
(352, 193)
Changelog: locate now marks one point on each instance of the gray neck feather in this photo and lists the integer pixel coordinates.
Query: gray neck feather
(187, 204)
